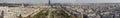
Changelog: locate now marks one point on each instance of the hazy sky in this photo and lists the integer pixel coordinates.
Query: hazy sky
(65, 1)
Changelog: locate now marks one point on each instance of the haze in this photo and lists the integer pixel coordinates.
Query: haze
(64, 1)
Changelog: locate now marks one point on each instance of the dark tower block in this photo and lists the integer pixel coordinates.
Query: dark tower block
(49, 2)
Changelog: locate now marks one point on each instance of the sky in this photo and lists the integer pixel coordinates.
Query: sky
(63, 1)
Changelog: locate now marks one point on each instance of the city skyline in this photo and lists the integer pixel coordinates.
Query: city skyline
(63, 1)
